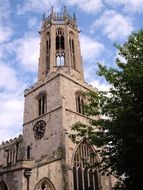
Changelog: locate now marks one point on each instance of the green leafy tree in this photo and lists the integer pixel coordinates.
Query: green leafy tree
(119, 127)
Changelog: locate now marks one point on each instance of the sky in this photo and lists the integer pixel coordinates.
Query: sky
(101, 22)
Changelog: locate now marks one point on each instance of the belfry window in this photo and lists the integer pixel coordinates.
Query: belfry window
(48, 46)
(42, 104)
(60, 58)
(84, 176)
(60, 47)
(72, 52)
(80, 103)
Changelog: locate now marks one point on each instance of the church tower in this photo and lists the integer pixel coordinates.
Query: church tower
(44, 157)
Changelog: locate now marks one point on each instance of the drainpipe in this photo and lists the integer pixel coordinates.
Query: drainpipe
(27, 174)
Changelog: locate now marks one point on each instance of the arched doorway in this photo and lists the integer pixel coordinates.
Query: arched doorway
(3, 185)
(84, 176)
(44, 184)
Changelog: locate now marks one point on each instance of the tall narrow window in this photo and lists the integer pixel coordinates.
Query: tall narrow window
(60, 47)
(72, 51)
(28, 152)
(42, 104)
(80, 103)
(85, 177)
(48, 46)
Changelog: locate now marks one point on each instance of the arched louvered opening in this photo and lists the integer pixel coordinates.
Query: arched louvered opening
(85, 177)
(44, 184)
(80, 103)
(72, 52)
(60, 48)
(42, 103)
(48, 47)
(3, 185)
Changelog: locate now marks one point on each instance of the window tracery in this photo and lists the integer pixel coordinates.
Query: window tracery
(80, 103)
(85, 177)
(44, 184)
(60, 47)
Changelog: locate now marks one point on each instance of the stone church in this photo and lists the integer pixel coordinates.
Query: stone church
(44, 157)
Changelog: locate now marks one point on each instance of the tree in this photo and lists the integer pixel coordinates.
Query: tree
(119, 129)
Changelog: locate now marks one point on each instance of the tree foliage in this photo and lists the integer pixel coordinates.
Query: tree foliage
(118, 131)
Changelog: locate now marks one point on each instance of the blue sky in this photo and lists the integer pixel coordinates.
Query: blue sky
(102, 22)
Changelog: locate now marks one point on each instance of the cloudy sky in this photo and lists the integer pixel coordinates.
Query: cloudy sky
(102, 22)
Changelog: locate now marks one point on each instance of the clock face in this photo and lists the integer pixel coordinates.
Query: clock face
(39, 129)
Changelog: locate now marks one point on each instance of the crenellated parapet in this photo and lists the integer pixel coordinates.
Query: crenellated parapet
(10, 151)
(59, 18)
(11, 141)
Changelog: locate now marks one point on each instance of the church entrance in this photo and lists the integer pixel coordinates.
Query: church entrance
(3, 186)
(84, 176)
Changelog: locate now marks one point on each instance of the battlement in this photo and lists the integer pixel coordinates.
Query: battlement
(59, 18)
(11, 141)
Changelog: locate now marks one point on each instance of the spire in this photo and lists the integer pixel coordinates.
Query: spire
(65, 11)
(44, 17)
(52, 10)
(74, 16)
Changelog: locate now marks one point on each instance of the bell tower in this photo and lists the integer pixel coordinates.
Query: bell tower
(44, 157)
(60, 45)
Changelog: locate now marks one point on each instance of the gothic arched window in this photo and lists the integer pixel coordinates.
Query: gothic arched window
(85, 177)
(72, 51)
(60, 58)
(80, 103)
(60, 47)
(3, 185)
(48, 46)
(44, 184)
(42, 103)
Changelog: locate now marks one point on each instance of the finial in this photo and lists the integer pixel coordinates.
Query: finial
(65, 10)
(74, 16)
(43, 16)
(52, 10)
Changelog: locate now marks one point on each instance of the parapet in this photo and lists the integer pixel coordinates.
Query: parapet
(11, 141)
(59, 18)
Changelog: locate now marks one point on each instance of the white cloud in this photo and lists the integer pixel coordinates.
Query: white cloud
(8, 78)
(90, 6)
(5, 25)
(5, 33)
(26, 50)
(11, 114)
(32, 21)
(100, 85)
(114, 25)
(36, 6)
(90, 49)
(128, 5)
(11, 102)
(4, 9)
